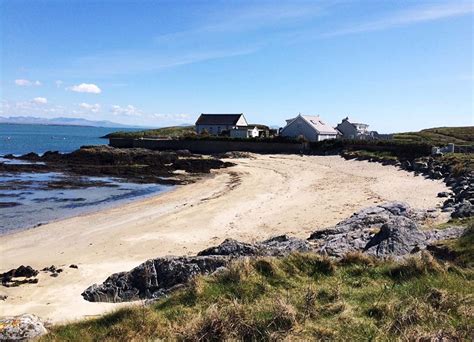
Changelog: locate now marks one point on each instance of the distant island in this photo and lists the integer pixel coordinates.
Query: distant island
(61, 121)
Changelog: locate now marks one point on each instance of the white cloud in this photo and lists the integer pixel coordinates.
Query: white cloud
(411, 16)
(127, 110)
(86, 88)
(94, 108)
(27, 83)
(40, 100)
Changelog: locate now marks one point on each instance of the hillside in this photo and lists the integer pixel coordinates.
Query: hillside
(439, 136)
(173, 131)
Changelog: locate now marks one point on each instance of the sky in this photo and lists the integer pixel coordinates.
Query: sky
(395, 65)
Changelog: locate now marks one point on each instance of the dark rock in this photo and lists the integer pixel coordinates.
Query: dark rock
(443, 194)
(51, 269)
(463, 209)
(153, 278)
(54, 275)
(73, 266)
(3, 297)
(156, 277)
(231, 247)
(155, 166)
(21, 271)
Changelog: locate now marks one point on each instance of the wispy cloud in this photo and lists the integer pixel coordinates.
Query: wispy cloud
(219, 33)
(415, 15)
(128, 110)
(27, 83)
(94, 108)
(138, 61)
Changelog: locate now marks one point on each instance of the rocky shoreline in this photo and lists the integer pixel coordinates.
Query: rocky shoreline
(134, 165)
(390, 230)
(460, 202)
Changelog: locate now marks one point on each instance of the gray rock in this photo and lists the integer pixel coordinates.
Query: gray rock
(156, 277)
(153, 278)
(21, 328)
(232, 247)
(388, 230)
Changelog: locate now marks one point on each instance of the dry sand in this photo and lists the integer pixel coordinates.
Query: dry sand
(260, 197)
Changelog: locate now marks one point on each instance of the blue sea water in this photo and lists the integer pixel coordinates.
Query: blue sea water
(21, 139)
(26, 200)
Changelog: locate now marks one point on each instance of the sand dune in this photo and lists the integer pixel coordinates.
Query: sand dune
(260, 197)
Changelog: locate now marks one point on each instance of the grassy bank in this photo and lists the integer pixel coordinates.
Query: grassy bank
(304, 297)
(439, 136)
(173, 131)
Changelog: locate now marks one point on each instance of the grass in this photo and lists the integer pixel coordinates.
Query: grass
(173, 131)
(439, 136)
(459, 162)
(302, 297)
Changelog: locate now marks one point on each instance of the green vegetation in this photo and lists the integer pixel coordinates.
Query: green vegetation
(174, 131)
(403, 150)
(439, 136)
(304, 297)
(460, 162)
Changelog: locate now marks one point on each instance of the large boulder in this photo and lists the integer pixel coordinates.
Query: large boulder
(388, 230)
(152, 279)
(21, 328)
(278, 245)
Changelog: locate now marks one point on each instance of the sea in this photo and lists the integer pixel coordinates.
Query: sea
(26, 200)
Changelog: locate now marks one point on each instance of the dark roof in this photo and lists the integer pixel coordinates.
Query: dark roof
(218, 119)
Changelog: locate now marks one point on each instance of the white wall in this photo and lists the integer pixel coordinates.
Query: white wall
(299, 127)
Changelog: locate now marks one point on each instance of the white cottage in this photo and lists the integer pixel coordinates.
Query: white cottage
(309, 126)
(216, 124)
(353, 130)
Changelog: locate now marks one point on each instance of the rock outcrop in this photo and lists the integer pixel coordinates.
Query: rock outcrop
(157, 277)
(25, 327)
(134, 164)
(460, 202)
(388, 230)
(25, 273)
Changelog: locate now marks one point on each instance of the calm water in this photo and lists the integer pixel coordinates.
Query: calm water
(21, 139)
(27, 201)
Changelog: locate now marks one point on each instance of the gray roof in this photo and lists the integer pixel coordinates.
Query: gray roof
(218, 119)
(316, 122)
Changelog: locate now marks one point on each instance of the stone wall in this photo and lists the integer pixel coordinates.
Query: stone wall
(209, 146)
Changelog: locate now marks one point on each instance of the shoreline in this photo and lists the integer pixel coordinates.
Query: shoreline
(260, 197)
(67, 202)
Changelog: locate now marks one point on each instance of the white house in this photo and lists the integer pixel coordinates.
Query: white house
(310, 127)
(215, 124)
(354, 130)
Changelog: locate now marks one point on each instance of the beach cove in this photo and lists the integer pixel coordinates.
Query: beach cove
(262, 196)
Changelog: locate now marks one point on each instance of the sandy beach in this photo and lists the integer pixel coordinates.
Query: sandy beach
(260, 197)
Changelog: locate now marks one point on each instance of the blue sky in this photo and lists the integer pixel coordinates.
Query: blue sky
(396, 65)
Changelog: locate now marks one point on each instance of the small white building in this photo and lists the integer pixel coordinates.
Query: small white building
(216, 124)
(311, 127)
(354, 130)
